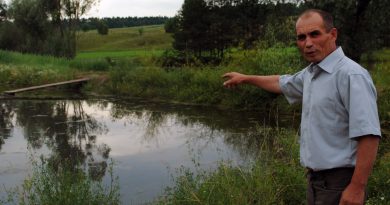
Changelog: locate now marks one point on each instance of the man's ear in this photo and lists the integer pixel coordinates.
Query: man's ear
(333, 32)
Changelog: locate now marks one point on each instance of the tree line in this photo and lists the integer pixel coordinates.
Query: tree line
(120, 22)
(205, 29)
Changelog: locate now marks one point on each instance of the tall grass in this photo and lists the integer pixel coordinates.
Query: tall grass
(17, 70)
(274, 178)
(15, 58)
(63, 186)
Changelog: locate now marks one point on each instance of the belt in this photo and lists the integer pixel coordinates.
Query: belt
(330, 171)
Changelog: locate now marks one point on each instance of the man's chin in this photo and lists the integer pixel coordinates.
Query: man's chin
(312, 59)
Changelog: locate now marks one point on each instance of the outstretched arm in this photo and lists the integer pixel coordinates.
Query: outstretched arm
(269, 83)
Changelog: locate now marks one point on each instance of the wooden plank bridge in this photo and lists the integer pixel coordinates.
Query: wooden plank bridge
(77, 81)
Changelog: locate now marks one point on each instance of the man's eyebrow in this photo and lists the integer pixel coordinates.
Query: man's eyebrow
(315, 32)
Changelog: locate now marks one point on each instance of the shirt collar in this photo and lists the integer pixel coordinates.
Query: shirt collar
(329, 62)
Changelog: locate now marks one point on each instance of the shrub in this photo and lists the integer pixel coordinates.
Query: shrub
(102, 28)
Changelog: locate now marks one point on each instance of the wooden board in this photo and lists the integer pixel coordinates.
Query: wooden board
(13, 92)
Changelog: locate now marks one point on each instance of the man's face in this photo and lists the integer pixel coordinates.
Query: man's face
(314, 42)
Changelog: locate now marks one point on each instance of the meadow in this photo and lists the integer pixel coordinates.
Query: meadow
(125, 64)
(123, 42)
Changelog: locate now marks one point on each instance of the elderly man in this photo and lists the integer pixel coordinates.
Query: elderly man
(340, 128)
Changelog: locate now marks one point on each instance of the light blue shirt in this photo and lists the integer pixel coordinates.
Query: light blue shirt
(338, 104)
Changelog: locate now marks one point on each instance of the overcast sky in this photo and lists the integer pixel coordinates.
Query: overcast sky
(123, 8)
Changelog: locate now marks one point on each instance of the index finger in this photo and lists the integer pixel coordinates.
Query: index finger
(226, 75)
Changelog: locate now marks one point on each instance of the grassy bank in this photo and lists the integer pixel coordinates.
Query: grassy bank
(274, 178)
(64, 185)
(17, 70)
(142, 77)
(202, 85)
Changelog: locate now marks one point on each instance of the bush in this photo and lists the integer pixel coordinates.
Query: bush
(173, 58)
(102, 28)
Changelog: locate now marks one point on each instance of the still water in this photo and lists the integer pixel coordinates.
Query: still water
(147, 141)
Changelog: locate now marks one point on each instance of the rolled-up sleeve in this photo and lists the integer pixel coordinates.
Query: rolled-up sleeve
(362, 107)
(292, 87)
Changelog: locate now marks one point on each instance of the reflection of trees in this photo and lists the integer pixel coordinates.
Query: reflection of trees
(153, 119)
(66, 129)
(240, 129)
(71, 133)
(6, 115)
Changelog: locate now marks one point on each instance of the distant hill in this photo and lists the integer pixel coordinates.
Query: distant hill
(123, 41)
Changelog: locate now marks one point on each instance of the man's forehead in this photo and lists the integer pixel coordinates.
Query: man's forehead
(309, 23)
(308, 29)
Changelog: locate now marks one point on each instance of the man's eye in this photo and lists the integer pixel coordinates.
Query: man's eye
(314, 34)
(301, 37)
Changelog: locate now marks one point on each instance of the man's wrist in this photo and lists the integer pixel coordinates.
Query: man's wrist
(247, 79)
(358, 184)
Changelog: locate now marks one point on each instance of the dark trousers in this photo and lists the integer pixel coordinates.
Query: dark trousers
(325, 187)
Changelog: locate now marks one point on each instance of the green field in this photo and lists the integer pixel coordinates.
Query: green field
(117, 54)
(123, 42)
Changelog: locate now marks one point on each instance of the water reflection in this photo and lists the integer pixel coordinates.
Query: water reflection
(143, 137)
(5, 122)
(239, 129)
(63, 127)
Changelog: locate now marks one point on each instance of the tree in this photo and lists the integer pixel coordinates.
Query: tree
(3, 11)
(203, 29)
(102, 27)
(47, 26)
(33, 23)
(171, 25)
(72, 10)
(11, 37)
(193, 24)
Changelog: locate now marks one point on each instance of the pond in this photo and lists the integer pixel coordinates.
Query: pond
(147, 141)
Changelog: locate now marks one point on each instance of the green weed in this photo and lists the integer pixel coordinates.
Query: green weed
(64, 185)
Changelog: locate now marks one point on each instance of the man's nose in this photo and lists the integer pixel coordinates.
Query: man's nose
(309, 42)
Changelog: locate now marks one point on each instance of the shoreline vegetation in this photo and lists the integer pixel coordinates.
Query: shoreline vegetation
(276, 177)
